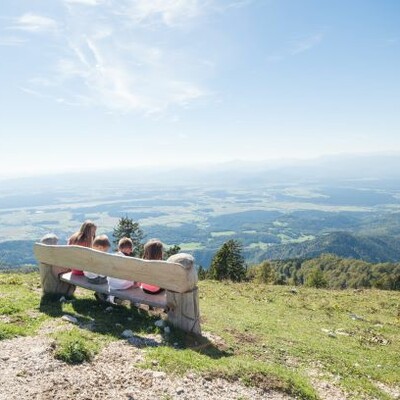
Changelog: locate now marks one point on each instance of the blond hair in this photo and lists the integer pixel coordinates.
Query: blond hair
(125, 243)
(85, 235)
(101, 241)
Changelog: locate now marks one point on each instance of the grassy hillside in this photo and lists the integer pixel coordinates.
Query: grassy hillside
(296, 340)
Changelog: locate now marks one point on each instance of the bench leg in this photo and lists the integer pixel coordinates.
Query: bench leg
(51, 283)
(49, 274)
(183, 310)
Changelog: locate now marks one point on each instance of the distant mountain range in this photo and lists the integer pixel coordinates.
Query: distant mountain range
(343, 244)
(373, 249)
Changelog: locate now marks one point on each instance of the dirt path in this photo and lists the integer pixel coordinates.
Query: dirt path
(29, 371)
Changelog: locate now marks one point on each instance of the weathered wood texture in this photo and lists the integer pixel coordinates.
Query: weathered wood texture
(183, 308)
(177, 276)
(50, 274)
(184, 311)
(166, 274)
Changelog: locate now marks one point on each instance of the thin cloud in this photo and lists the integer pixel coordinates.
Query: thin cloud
(83, 2)
(306, 44)
(169, 12)
(34, 23)
(392, 41)
(106, 77)
(12, 41)
(118, 56)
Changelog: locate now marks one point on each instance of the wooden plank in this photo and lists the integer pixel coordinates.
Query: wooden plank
(172, 276)
(134, 295)
(184, 311)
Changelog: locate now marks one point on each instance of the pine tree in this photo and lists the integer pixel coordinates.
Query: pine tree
(126, 227)
(175, 249)
(228, 262)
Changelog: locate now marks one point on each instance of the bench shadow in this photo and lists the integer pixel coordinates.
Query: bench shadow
(202, 345)
(51, 305)
(139, 324)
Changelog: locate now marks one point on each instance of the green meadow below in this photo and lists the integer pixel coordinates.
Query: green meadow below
(302, 341)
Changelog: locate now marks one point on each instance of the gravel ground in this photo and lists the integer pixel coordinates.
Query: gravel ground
(29, 371)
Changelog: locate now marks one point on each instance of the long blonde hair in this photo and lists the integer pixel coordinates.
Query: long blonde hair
(85, 235)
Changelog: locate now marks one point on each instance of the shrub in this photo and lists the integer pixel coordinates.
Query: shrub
(73, 348)
(261, 273)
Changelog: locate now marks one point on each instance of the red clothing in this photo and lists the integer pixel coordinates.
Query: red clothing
(72, 241)
(76, 272)
(150, 288)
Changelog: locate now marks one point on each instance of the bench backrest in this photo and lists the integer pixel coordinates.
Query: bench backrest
(172, 276)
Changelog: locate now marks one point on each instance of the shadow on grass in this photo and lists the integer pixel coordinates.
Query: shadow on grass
(112, 320)
(50, 304)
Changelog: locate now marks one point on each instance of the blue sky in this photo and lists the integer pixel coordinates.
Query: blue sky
(92, 84)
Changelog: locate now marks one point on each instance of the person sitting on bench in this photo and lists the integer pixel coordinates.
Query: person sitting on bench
(153, 250)
(100, 243)
(125, 248)
(84, 237)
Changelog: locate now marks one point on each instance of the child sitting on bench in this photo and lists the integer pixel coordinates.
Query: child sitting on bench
(125, 248)
(153, 250)
(100, 243)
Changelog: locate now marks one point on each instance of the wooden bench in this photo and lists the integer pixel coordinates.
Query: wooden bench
(177, 276)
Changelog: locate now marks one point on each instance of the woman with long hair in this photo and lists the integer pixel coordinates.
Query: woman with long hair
(84, 237)
(153, 250)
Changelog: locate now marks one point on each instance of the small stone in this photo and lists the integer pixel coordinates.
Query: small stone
(129, 318)
(5, 358)
(167, 330)
(154, 363)
(179, 390)
(127, 333)
(117, 325)
(356, 317)
(159, 375)
(69, 318)
(332, 334)
(160, 323)
(109, 309)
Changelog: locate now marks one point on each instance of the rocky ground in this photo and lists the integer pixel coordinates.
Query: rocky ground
(30, 371)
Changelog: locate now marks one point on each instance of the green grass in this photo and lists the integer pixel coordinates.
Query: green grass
(269, 336)
(353, 335)
(191, 246)
(75, 346)
(222, 233)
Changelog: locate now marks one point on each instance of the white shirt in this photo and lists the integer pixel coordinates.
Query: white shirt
(119, 284)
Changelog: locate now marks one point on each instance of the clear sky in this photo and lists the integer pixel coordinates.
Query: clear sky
(89, 84)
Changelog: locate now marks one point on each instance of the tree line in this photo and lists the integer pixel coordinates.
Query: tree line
(324, 271)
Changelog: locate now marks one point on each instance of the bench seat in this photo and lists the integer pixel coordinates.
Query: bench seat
(134, 295)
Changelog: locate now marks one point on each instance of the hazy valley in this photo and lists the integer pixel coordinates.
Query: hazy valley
(276, 212)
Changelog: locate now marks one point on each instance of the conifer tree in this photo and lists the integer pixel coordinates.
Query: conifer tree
(228, 262)
(175, 249)
(126, 227)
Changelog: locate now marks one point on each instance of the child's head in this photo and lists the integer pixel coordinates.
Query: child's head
(153, 250)
(101, 243)
(125, 245)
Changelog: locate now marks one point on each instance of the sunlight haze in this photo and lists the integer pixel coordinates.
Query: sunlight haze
(98, 84)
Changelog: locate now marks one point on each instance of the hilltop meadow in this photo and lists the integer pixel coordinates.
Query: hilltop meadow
(299, 342)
